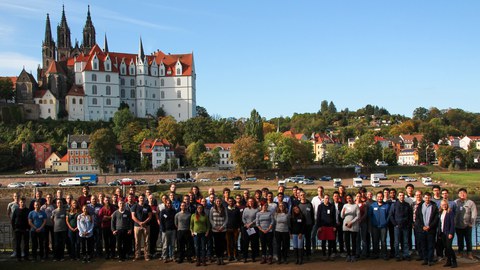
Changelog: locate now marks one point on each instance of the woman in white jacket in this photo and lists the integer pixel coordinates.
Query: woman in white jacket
(350, 214)
(85, 231)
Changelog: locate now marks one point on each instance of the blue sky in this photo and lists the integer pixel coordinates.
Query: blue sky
(281, 57)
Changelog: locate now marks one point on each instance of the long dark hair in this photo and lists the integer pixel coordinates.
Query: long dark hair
(197, 215)
(220, 209)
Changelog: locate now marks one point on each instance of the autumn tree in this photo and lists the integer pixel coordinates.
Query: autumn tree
(246, 153)
(169, 129)
(102, 147)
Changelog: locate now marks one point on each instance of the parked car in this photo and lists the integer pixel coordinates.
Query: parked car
(115, 182)
(427, 181)
(223, 178)
(307, 182)
(140, 182)
(410, 179)
(236, 178)
(204, 179)
(402, 177)
(30, 172)
(161, 181)
(326, 178)
(363, 176)
(16, 185)
(32, 184)
(251, 178)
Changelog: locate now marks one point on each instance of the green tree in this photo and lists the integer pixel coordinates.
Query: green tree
(194, 151)
(323, 107)
(202, 112)
(146, 163)
(254, 126)
(331, 108)
(197, 128)
(446, 156)
(390, 156)
(102, 147)
(246, 153)
(169, 129)
(160, 113)
(129, 147)
(6, 89)
(366, 151)
(206, 160)
(121, 119)
(420, 113)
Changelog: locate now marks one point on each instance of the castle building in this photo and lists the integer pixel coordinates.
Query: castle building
(90, 83)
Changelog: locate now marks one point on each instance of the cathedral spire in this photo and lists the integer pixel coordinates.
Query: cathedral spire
(48, 46)
(48, 32)
(105, 44)
(141, 54)
(88, 34)
(63, 38)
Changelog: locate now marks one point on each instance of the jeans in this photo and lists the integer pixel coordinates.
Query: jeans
(401, 239)
(314, 236)
(19, 236)
(123, 243)
(87, 247)
(184, 244)
(38, 239)
(200, 245)
(427, 244)
(418, 245)
(339, 237)
(59, 251)
(266, 239)
(464, 236)
(97, 238)
(168, 244)
(74, 244)
(141, 235)
(379, 236)
(351, 242)
(362, 240)
(297, 242)
(219, 239)
(283, 244)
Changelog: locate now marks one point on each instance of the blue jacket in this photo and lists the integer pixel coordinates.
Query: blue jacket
(401, 215)
(378, 215)
(449, 224)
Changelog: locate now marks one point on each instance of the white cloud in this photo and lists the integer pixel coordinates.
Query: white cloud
(12, 63)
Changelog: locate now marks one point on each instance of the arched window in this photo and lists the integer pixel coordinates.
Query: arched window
(40, 101)
(94, 101)
(179, 94)
(74, 101)
(51, 101)
(178, 71)
(107, 78)
(94, 77)
(108, 90)
(80, 101)
(179, 82)
(132, 82)
(162, 82)
(122, 81)
(162, 94)
(132, 93)
(122, 93)
(109, 101)
(94, 89)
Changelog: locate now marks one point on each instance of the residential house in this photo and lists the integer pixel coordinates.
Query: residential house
(464, 143)
(320, 142)
(298, 136)
(41, 152)
(408, 157)
(224, 151)
(52, 158)
(79, 159)
(451, 141)
(159, 151)
(61, 165)
(384, 143)
(409, 140)
(48, 104)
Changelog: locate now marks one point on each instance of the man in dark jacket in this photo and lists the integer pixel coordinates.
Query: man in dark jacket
(426, 222)
(401, 218)
(21, 228)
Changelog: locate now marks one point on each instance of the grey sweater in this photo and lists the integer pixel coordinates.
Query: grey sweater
(182, 221)
(264, 220)
(249, 216)
(59, 220)
(122, 221)
(466, 213)
(282, 220)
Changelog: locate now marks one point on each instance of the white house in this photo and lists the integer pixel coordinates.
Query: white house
(159, 151)
(465, 142)
(47, 103)
(407, 157)
(225, 161)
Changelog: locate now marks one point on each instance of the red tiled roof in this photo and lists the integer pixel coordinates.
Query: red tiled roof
(39, 93)
(55, 67)
(224, 146)
(76, 90)
(409, 137)
(147, 144)
(64, 158)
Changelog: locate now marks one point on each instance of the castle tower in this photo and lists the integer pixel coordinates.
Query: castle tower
(48, 46)
(88, 34)
(64, 44)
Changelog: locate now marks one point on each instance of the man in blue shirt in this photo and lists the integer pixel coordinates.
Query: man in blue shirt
(378, 214)
(37, 220)
(426, 222)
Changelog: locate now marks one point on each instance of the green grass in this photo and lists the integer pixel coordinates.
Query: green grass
(469, 179)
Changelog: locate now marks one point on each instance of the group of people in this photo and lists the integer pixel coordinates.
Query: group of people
(208, 228)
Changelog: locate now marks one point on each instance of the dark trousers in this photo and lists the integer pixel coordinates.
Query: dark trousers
(19, 236)
(59, 247)
(108, 242)
(447, 243)
(391, 236)
(339, 237)
(308, 239)
(200, 245)
(74, 240)
(184, 244)
(379, 236)
(49, 238)
(250, 240)
(123, 243)
(219, 240)
(38, 241)
(351, 242)
(97, 238)
(266, 240)
(418, 245)
(331, 247)
(87, 247)
(464, 236)
(427, 244)
(153, 238)
(283, 244)
(439, 246)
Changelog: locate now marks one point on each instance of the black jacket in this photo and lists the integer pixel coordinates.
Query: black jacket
(401, 214)
(434, 218)
(326, 215)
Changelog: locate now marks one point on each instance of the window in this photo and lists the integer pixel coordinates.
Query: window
(162, 94)
(95, 66)
(132, 82)
(179, 105)
(179, 94)
(107, 78)
(122, 93)
(132, 93)
(108, 90)
(109, 101)
(162, 72)
(48, 110)
(179, 82)
(153, 95)
(74, 145)
(73, 101)
(162, 82)
(123, 70)
(94, 89)
(178, 71)
(94, 77)
(80, 101)
(140, 83)
(122, 81)
(94, 101)
(107, 66)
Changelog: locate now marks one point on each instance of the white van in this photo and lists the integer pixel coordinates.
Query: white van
(282, 183)
(375, 182)
(70, 181)
(236, 185)
(357, 182)
(337, 182)
(427, 181)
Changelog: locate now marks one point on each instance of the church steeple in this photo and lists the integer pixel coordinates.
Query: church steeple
(141, 54)
(105, 44)
(63, 38)
(88, 34)
(48, 46)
